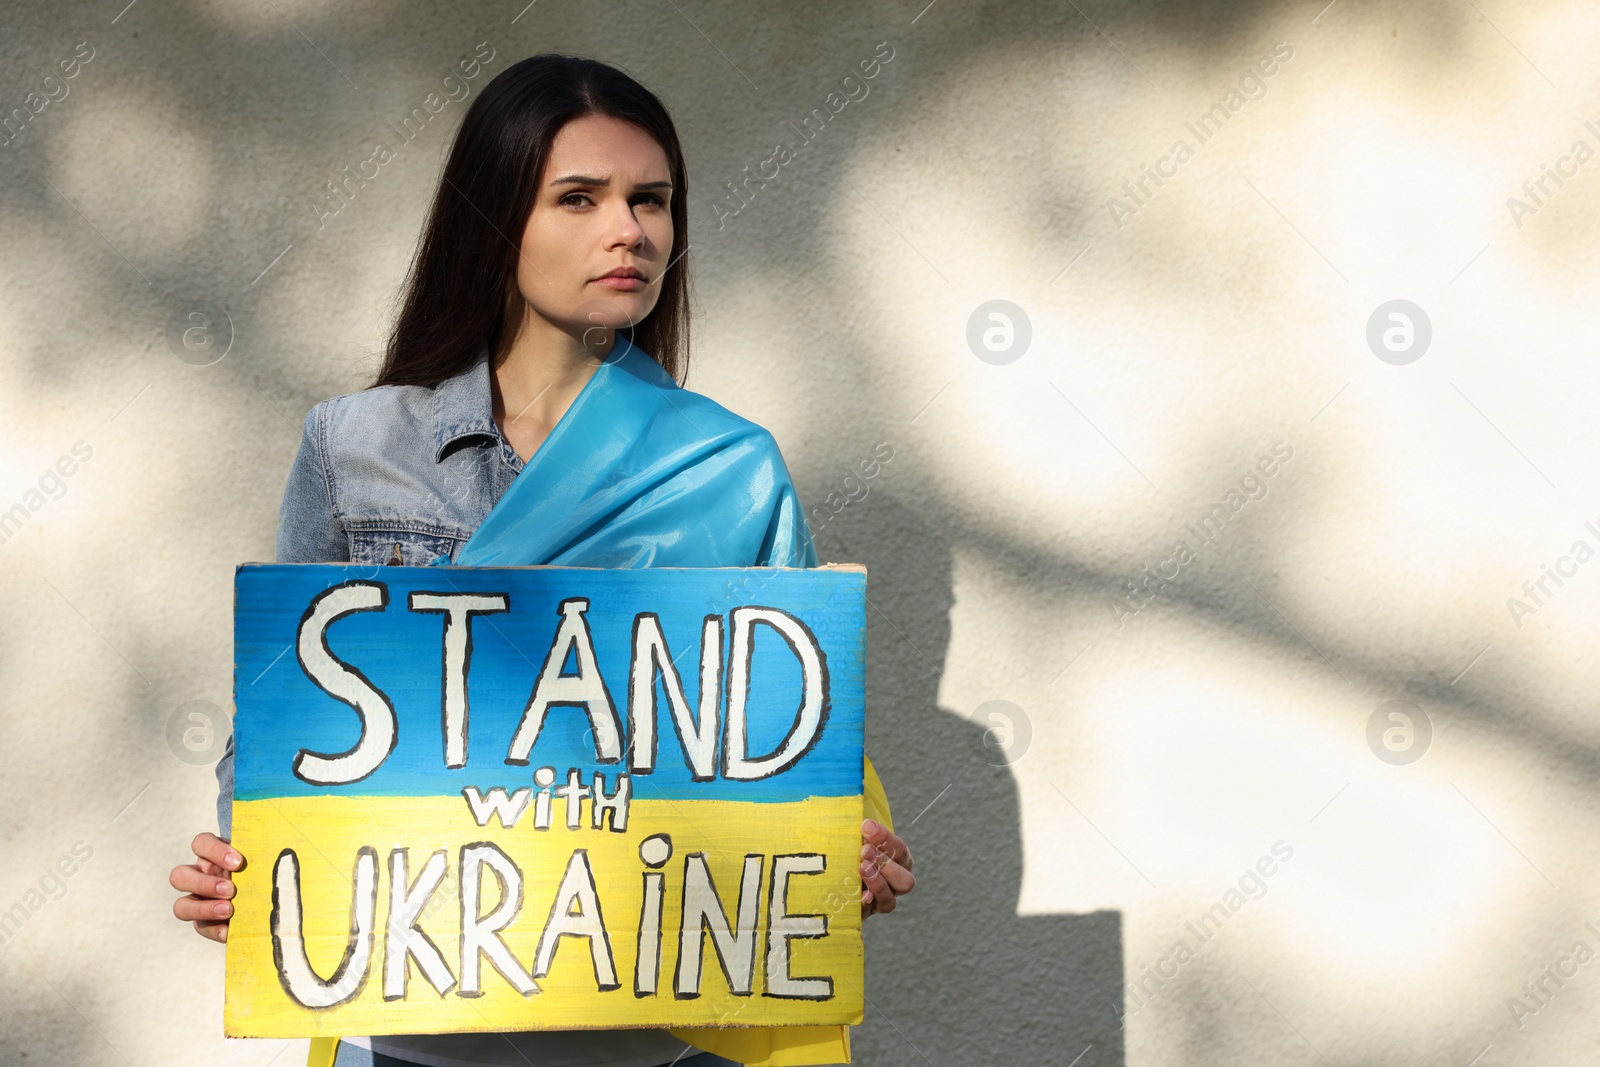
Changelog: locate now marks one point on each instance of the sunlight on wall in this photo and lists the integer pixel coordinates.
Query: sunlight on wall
(1183, 745)
(238, 16)
(139, 164)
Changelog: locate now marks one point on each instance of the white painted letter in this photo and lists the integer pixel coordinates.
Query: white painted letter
(481, 933)
(654, 850)
(702, 911)
(584, 689)
(781, 926)
(651, 658)
(289, 940)
(405, 938)
(577, 891)
(736, 763)
(458, 608)
(344, 683)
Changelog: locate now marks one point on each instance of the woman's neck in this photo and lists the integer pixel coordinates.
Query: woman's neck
(539, 376)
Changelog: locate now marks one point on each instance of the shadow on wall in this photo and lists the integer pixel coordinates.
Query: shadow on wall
(65, 1039)
(955, 976)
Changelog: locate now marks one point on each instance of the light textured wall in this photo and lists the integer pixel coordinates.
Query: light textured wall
(1156, 755)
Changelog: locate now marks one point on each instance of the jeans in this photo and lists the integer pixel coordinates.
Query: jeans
(352, 1056)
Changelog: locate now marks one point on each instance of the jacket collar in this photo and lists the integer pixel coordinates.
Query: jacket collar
(463, 406)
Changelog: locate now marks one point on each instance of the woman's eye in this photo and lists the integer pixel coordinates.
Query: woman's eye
(573, 200)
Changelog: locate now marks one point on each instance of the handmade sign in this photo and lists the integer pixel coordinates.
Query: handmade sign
(522, 798)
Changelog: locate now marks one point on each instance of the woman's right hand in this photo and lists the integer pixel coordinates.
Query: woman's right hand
(209, 885)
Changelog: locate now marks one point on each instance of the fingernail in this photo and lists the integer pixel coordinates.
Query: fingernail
(232, 860)
(867, 851)
(867, 868)
(870, 827)
(221, 909)
(224, 889)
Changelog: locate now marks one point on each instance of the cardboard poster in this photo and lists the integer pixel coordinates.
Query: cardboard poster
(522, 798)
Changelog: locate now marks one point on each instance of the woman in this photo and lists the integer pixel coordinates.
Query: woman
(528, 412)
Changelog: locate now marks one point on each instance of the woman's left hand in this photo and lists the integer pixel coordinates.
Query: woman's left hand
(885, 869)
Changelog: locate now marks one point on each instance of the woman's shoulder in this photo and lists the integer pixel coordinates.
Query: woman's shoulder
(380, 410)
(386, 426)
(697, 413)
(715, 418)
(378, 445)
(380, 453)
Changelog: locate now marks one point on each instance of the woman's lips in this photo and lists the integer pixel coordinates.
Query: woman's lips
(626, 284)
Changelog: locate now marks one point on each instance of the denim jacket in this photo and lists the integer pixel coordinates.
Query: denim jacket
(397, 474)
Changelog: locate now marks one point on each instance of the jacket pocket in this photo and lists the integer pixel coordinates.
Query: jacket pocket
(403, 547)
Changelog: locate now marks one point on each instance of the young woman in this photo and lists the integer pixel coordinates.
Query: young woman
(528, 412)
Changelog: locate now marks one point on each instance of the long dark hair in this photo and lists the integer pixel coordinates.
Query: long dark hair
(463, 276)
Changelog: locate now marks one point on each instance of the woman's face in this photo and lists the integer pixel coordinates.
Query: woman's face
(603, 204)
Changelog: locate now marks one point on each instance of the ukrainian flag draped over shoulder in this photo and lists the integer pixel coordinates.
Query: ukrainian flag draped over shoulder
(642, 473)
